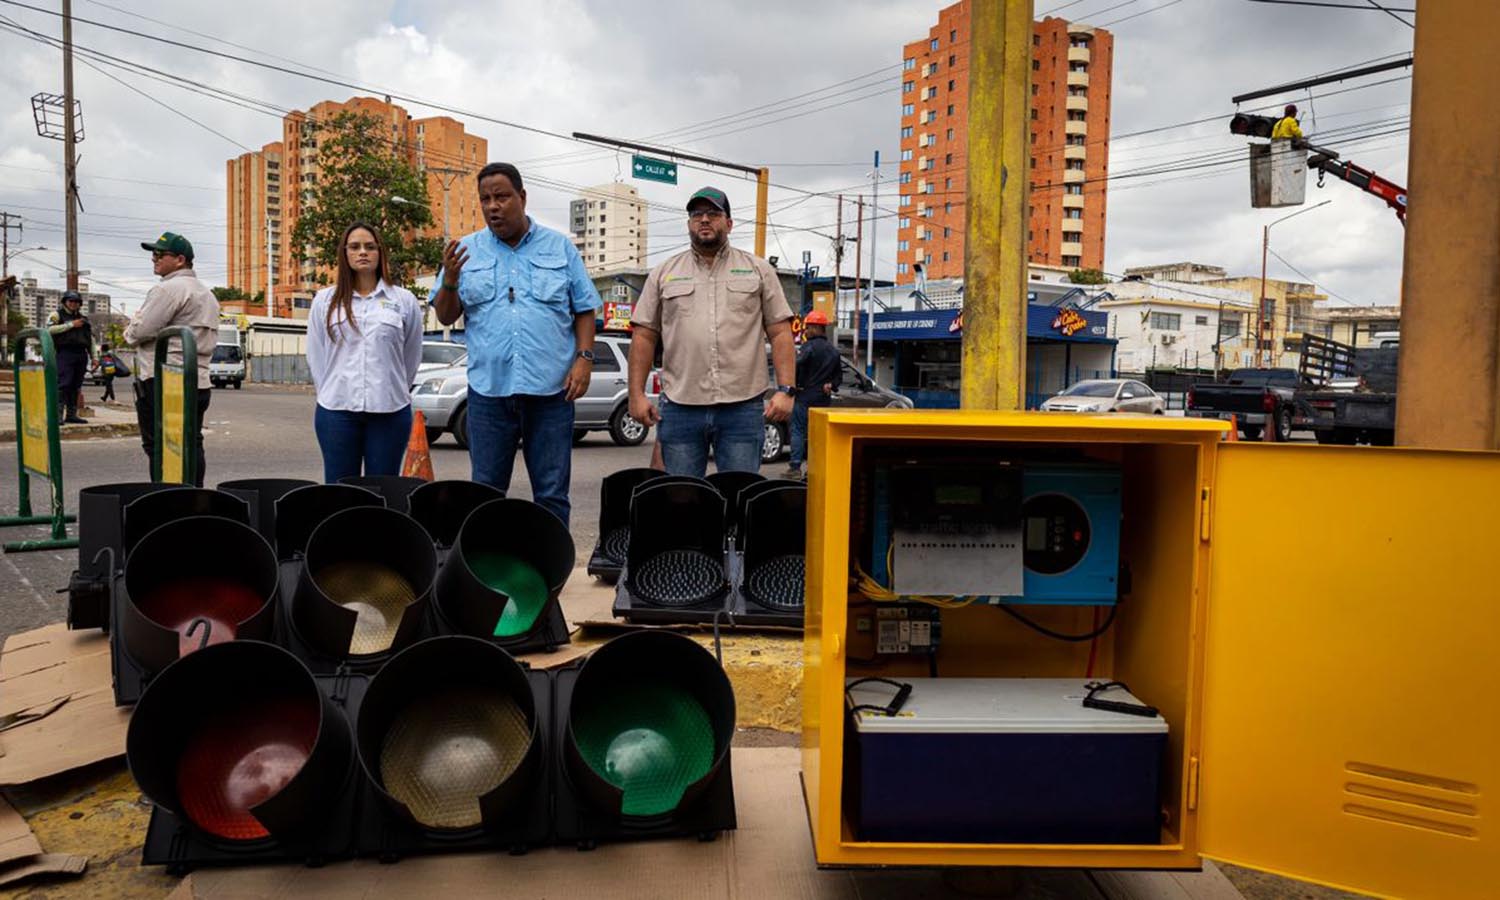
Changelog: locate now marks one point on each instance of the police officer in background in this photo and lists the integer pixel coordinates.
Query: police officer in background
(73, 338)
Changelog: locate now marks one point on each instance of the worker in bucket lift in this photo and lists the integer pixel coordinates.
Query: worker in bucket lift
(1286, 127)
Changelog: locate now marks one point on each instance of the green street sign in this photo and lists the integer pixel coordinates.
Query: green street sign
(653, 169)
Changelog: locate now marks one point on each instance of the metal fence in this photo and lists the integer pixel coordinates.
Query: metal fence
(277, 360)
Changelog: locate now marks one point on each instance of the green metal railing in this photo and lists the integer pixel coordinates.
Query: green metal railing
(38, 443)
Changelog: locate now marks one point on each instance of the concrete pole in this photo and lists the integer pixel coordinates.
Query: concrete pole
(870, 305)
(859, 240)
(838, 265)
(70, 155)
(1449, 379)
(994, 336)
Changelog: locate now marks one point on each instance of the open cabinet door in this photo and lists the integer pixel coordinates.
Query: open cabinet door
(1351, 708)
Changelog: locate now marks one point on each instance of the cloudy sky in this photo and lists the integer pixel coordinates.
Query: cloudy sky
(809, 89)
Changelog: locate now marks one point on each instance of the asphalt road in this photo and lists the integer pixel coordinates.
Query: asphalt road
(257, 432)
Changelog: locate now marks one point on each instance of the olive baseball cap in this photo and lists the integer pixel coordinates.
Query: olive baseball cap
(714, 196)
(170, 243)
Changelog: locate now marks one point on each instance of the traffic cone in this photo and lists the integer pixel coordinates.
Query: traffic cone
(1234, 427)
(418, 460)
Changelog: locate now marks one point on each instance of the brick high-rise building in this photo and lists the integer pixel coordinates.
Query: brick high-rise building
(1070, 91)
(438, 146)
(253, 181)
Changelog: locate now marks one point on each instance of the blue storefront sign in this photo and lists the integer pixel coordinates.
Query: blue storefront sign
(1047, 323)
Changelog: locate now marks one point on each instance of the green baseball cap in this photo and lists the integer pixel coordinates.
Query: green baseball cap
(170, 243)
(714, 196)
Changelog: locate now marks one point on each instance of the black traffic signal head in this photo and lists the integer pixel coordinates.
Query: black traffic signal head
(442, 506)
(1252, 125)
(262, 494)
(396, 489)
(504, 574)
(366, 583)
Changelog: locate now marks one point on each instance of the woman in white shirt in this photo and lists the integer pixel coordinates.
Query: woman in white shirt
(364, 343)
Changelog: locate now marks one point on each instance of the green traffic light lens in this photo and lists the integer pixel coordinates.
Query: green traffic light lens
(651, 739)
(518, 580)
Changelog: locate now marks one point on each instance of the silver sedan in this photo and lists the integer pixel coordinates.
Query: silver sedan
(1107, 395)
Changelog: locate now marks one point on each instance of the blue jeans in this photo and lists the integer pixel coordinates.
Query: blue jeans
(349, 440)
(799, 434)
(736, 431)
(542, 427)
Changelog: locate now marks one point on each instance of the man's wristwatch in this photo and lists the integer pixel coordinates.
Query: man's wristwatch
(586, 354)
(789, 389)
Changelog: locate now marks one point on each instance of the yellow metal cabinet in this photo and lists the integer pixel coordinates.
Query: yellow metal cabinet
(1317, 624)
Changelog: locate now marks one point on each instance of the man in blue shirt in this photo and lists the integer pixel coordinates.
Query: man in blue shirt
(528, 306)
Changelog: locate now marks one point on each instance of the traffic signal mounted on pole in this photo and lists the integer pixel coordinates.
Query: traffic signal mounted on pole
(1252, 125)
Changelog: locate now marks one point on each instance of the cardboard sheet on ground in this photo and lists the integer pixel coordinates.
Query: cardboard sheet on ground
(21, 857)
(58, 683)
(769, 856)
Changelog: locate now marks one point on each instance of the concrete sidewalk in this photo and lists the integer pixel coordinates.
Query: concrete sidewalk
(105, 420)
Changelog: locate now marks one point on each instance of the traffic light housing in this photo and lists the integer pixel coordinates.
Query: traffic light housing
(615, 493)
(675, 569)
(1251, 125)
(772, 563)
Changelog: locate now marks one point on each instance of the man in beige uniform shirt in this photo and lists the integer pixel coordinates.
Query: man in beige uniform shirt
(713, 308)
(180, 299)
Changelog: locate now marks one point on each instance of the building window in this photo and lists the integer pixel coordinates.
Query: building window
(1071, 261)
(929, 164)
(903, 245)
(945, 256)
(950, 109)
(901, 268)
(1076, 140)
(908, 63)
(931, 116)
(948, 207)
(1072, 189)
(947, 232)
(947, 184)
(1075, 165)
(1078, 67)
(905, 178)
(1077, 90)
(928, 188)
(948, 158)
(1036, 65)
(1034, 89)
(903, 222)
(950, 84)
(905, 200)
(907, 86)
(930, 93)
(929, 70)
(907, 109)
(1036, 40)
(906, 131)
(1200, 320)
(933, 45)
(1166, 321)
(927, 234)
(601, 218)
(1073, 213)
(906, 154)
(1229, 326)
(952, 36)
(1033, 113)
(1077, 115)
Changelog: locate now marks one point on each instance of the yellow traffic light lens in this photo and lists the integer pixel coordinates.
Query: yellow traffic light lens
(378, 594)
(446, 750)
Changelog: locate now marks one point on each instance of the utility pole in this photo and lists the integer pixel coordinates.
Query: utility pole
(870, 304)
(994, 335)
(761, 173)
(7, 222)
(859, 237)
(838, 258)
(70, 158)
(270, 290)
(446, 177)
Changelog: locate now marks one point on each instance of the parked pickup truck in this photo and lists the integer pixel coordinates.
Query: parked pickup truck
(1356, 398)
(1254, 397)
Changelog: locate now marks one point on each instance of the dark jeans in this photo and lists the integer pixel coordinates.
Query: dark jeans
(735, 430)
(799, 433)
(109, 388)
(542, 427)
(145, 416)
(72, 362)
(351, 439)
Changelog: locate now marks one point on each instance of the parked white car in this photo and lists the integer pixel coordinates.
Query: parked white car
(1107, 395)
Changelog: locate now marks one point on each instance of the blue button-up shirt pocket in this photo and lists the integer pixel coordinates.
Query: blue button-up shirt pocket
(549, 280)
(677, 301)
(476, 286)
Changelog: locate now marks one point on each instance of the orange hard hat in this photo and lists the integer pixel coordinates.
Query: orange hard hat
(816, 317)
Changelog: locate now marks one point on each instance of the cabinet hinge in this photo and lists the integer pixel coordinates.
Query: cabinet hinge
(1192, 785)
(1203, 515)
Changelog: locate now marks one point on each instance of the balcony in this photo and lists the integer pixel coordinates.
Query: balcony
(1079, 78)
(1072, 201)
(1071, 127)
(1071, 248)
(1073, 176)
(1079, 103)
(1073, 152)
(1078, 54)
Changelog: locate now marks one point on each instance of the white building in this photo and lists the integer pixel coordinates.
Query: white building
(608, 223)
(1171, 325)
(36, 303)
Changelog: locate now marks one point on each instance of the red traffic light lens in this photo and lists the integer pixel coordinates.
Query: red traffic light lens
(221, 603)
(241, 756)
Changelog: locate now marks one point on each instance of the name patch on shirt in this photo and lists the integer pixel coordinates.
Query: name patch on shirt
(391, 305)
(671, 278)
(742, 271)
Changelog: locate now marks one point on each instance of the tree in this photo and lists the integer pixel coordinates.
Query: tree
(1087, 276)
(225, 294)
(113, 334)
(360, 172)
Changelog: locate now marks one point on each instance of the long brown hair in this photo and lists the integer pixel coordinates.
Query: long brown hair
(343, 289)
